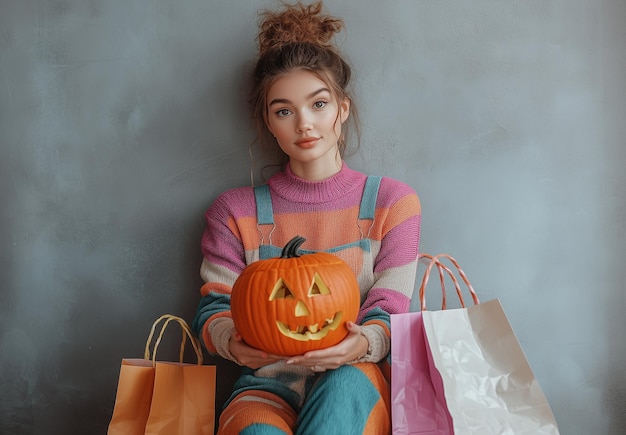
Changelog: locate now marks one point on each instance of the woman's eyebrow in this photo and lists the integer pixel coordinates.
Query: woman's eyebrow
(308, 97)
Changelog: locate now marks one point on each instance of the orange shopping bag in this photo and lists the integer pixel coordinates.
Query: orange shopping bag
(157, 397)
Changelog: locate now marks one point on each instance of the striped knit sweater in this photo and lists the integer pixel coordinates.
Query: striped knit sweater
(326, 214)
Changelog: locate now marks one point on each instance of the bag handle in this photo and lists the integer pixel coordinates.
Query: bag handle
(186, 331)
(427, 259)
(434, 260)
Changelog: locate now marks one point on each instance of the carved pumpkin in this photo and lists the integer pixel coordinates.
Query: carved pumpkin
(295, 303)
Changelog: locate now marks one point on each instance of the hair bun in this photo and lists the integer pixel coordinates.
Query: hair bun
(297, 23)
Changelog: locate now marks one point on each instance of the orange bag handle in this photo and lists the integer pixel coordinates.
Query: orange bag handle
(186, 331)
(434, 260)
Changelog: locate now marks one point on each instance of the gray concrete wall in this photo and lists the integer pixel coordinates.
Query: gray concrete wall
(121, 121)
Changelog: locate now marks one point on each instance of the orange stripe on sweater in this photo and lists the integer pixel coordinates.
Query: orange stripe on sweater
(249, 232)
(313, 226)
(381, 324)
(401, 211)
(215, 287)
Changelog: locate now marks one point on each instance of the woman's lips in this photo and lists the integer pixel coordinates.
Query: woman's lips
(307, 142)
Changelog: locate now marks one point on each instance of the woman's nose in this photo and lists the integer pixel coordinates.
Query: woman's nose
(304, 122)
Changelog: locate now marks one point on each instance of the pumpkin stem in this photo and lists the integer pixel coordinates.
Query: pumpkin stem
(291, 248)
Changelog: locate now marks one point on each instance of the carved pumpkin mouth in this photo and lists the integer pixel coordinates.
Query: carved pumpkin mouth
(310, 332)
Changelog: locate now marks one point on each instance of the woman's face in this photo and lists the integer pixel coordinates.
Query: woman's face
(306, 118)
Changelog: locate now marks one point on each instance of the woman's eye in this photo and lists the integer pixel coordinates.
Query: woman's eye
(319, 104)
(283, 112)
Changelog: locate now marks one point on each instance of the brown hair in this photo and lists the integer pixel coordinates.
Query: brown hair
(297, 37)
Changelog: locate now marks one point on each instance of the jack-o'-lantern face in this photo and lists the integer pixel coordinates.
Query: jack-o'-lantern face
(293, 304)
(298, 322)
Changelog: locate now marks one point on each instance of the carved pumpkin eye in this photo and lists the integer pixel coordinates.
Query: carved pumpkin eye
(319, 287)
(281, 291)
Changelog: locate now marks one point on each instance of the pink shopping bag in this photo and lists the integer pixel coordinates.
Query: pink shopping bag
(466, 365)
(418, 404)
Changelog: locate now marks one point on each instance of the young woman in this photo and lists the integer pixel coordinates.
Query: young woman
(301, 104)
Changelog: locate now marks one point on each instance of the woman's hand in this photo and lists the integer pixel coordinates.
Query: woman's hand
(350, 349)
(249, 356)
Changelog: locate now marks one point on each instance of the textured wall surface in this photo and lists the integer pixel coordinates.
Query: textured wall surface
(121, 121)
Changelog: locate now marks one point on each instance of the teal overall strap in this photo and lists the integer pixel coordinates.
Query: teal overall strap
(264, 211)
(264, 216)
(370, 195)
(367, 209)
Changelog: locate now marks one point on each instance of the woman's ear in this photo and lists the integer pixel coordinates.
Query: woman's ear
(344, 109)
